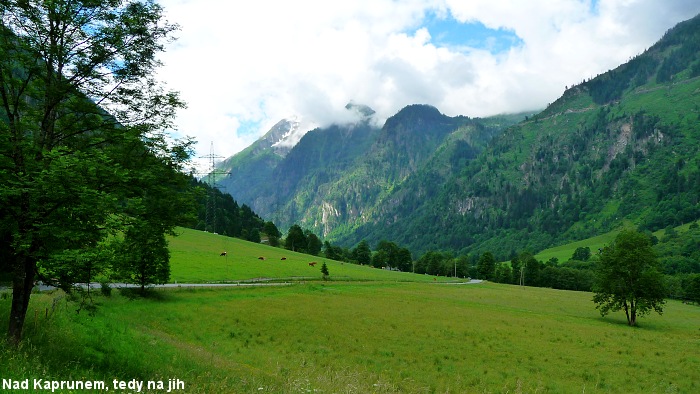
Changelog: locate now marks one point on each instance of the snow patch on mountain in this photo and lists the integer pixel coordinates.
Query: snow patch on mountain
(287, 135)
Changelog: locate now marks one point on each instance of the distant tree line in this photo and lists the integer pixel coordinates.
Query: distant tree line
(386, 255)
(678, 254)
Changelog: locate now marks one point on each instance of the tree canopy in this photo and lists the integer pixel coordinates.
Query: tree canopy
(79, 110)
(296, 240)
(362, 253)
(629, 278)
(487, 266)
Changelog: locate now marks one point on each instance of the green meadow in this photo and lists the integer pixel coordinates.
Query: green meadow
(196, 258)
(564, 252)
(372, 331)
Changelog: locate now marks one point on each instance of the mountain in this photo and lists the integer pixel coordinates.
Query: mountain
(621, 148)
(338, 177)
(277, 138)
(254, 165)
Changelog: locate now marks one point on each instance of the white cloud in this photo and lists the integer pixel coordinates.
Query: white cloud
(257, 62)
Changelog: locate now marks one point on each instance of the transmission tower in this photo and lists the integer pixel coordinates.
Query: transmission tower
(210, 179)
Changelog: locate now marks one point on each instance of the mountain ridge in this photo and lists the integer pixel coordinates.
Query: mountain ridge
(354, 166)
(594, 159)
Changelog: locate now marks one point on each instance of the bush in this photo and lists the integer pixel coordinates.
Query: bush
(105, 289)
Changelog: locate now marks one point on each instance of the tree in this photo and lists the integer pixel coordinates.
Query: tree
(77, 101)
(143, 256)
(273, 234)
(324, 270)
(462, 262)
(431, 263)
(380, 259)
(503, 273)
(693, 289)
(362, 253)
(487, 266)
(517, 271)
(388, 254)
(404, 260)
(629, 278)
(295, 241)
(254, 236)
(531, 269)
(313, 244)
(334, 252)
(582, 254)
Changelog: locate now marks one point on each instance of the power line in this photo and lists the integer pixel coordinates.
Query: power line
(210, 179)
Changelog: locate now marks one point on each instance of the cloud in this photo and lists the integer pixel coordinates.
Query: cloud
(249, 64)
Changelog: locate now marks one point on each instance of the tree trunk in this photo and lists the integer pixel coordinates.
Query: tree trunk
(633, 314)
(22, 285)
(24, 265)
(627, 313)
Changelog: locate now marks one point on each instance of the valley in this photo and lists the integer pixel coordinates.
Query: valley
(364, 330)
(554, 250)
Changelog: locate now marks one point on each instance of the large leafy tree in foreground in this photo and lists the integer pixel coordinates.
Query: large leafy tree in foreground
(78, 107)
(629, 278)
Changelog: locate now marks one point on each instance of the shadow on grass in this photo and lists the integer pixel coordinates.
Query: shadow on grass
(148, 293)
(642, 323)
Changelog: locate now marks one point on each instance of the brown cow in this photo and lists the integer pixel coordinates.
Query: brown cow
(261, 258)
(312, 264)
(283, 258)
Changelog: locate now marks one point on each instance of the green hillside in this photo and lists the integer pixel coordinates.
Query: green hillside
(564, 252)
(195, 258)
(620, 148)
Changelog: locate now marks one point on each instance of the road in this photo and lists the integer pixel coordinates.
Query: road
(42, 287)
(257, 282)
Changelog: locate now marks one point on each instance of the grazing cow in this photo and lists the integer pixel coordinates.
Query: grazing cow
(312, 264)
(222, 254)
(283, 258)
(261, 258)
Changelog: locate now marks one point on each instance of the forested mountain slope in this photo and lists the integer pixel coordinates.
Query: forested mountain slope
(338, 177)
(622, 147)
(619, 148)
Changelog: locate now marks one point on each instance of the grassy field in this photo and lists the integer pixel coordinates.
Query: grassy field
(564, 252)
(195, 258)
(362, 337)
(365, 331)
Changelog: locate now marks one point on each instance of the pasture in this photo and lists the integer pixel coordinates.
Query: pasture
(364, 331)
(564, 252)
(363, 337)
(196, 258)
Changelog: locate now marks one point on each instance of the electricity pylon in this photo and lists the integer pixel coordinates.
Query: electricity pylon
(210, 179)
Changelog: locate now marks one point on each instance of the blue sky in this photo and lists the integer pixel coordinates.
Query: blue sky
(243, 66)
(445, 31)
